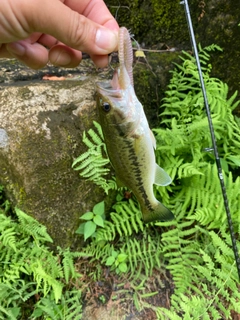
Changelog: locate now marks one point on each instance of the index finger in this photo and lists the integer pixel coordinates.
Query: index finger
(72, 28)
(96, 11)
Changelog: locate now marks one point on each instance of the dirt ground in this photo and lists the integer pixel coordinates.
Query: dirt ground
(118, 297)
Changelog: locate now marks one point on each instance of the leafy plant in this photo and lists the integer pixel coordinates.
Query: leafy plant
(197, 245)
(198, 248)
(69, 307)
(30, 272)
(94, 219)
(94, 163)
(117, 260)
(195, 248)
(140, 255)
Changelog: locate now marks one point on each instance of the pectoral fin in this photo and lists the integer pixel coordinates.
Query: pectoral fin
(153, 139)
(161, 177)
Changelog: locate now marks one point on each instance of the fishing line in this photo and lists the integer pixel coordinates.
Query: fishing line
(214, 144)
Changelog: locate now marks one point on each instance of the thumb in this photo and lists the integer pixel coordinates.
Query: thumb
(73, 29)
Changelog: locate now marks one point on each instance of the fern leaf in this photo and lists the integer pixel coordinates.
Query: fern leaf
(187, 170)
(94, 163)
(68, 264)
(8, 238)
(32, 227)
(46, 281)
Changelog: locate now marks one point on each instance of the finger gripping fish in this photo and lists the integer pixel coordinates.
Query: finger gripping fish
(130, 142)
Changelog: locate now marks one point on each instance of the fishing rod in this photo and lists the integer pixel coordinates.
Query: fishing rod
(214, 144)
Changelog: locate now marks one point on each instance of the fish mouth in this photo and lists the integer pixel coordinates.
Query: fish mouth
(106, 85)
(111, 88)
(105, 88)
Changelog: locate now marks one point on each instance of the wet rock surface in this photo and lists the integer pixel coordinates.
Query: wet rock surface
(41, 127)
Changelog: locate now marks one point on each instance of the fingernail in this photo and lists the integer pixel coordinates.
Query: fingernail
(106, 39)
(63, 59)
(16, 48)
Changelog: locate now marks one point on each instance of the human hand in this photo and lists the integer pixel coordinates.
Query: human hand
(38, 31)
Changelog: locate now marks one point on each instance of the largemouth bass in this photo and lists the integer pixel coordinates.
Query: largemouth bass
(130, 142)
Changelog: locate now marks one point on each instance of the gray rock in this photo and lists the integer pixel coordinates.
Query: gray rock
(42, 125)
(3, 138)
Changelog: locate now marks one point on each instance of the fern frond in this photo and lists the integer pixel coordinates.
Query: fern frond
(32, 227)
(143, 255)
(68, 308)
(94, 163)
(208, 283)
(188, 170)
(206, 199)
(181, 253)
(127, 218)
(93, 138)
(205, 191)
(68, 263)
(7, 232)
(8, 238)
(46, 281)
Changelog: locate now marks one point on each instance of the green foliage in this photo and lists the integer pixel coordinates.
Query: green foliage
(92, 164)
(152, 21)
(125, 220)
(197, 245)
(31, 227)
(69, 307)
(195, 248)
(204, 273)
(140, 255)
(94, 219)
(181, 145)
(117, 260)
(20, 256)
(28, 269)
(187, 134)
(198, 248)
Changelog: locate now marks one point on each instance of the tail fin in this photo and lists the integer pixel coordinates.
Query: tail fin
(157, 213)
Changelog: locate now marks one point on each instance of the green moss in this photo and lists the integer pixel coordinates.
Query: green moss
(220, 25)
(151, 21)
(150, 82)
(24, 91)
(155, 23)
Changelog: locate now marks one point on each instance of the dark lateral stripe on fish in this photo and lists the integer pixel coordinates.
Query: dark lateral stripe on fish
(146, 201)
(137, 173)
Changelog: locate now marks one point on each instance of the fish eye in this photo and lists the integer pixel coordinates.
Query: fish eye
(106, 106)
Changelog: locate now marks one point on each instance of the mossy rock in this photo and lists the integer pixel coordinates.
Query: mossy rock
(151, 77)
(220, 25)
(156, 23)
(153, 21)
(44, 123)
